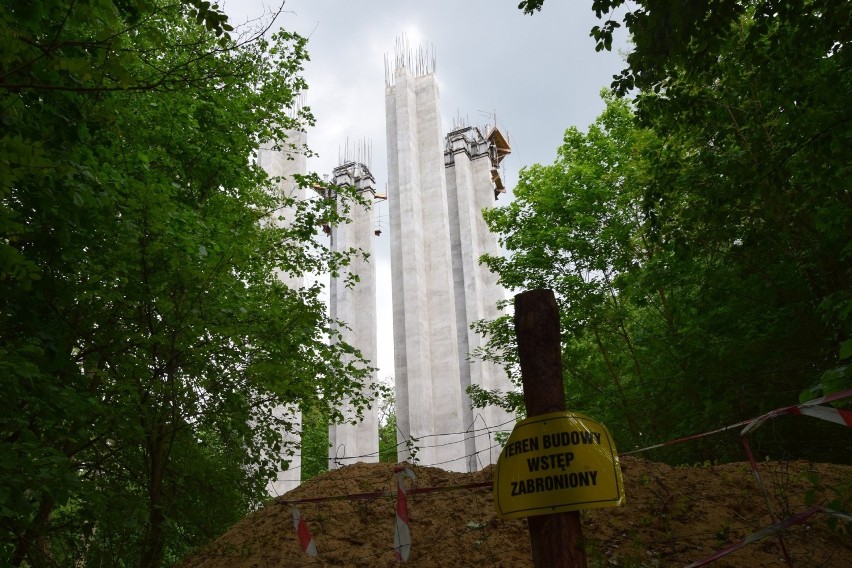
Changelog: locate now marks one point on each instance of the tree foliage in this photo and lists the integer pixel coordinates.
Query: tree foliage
(577, 227)
(314, 443)
(756, 167)
(388, 431)
(699, 238)
(144, 336)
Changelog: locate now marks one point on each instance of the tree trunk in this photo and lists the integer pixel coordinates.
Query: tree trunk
(31, 544)
(556, 539)
(152, 545)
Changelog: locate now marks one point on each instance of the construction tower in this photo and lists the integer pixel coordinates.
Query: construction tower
(437, 189)
(353, 302)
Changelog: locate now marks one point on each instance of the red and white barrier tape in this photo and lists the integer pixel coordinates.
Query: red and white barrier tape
(402, 532)
(774, 529)
(759, 480)
(810, 408)
(836, 415)
(685, 439)
(306, 540)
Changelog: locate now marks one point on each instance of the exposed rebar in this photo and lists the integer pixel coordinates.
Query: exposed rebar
(360, 151)
(419, 62)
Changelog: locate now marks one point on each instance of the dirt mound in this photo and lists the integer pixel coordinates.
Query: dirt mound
(673, 516)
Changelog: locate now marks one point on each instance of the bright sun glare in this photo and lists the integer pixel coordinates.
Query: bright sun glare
(413, 35)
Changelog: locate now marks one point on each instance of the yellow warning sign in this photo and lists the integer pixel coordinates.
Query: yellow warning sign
(557, 462)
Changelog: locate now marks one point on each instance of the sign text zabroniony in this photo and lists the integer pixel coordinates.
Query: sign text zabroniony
(557, 462)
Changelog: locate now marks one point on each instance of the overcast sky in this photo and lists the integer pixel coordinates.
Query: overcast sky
(539, 74)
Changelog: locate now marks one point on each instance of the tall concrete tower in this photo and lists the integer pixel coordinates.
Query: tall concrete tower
(438, 188)
(473, 179)
(426, 355)
(282, 161)
(355, 305)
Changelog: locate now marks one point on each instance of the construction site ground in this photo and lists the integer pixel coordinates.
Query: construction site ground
(673, 516)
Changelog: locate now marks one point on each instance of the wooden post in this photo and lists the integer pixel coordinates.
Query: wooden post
(557, 539)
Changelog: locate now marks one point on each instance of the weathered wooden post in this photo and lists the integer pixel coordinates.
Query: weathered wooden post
(557, 539)
(555, 463)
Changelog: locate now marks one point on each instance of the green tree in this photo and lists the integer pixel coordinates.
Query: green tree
(145, 337)
(314, 442)
(757, 170)
(388, 444)
(577, 227)
(738, 297)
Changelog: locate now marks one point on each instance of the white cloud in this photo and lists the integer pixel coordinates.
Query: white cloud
(540, 75)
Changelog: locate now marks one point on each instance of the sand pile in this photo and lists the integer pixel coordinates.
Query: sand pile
(673, 516)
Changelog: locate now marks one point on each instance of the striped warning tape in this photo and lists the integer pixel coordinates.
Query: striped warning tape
(810, 408)
(774, 529)
(402, 537)
(759, 480)
(306, 540)
(685, 438)
(402, 531)
(836, 415)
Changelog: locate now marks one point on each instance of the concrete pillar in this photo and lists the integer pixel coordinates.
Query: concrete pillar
(470, 159)
(437, 191)
(428, 386)
(283, 162)
(354, 305)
